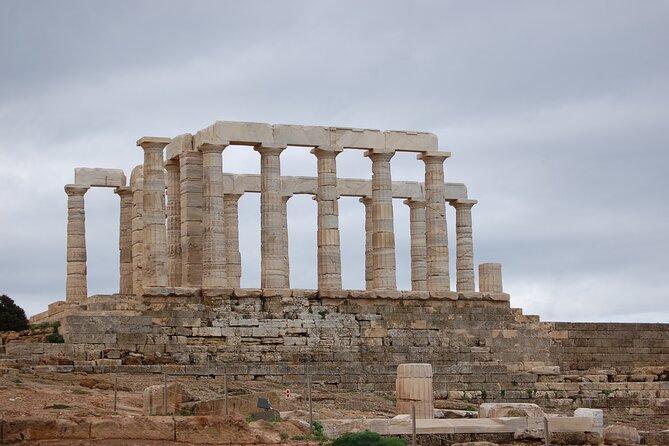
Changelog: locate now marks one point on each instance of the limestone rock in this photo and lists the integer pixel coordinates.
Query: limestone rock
(621, 435)
(497, 410)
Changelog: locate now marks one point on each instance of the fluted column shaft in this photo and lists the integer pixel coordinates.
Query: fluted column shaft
(274, 261)
(125, 241)
(173, 223)
(214, 266)
(464, 245)
(284, 239)
(329, 251)
(155, 233)
(418, 244)
(137, 186)
(76, 287)
(232, 255)
(190, 164)
(369, 248)
(383, 236)
(438, 277)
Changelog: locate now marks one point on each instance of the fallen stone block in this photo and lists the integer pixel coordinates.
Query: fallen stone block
(135, 428)
(153, 399)
(37, 428)
(497, 410)
(621, 435)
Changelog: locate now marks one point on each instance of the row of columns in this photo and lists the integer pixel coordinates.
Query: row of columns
(198, 243)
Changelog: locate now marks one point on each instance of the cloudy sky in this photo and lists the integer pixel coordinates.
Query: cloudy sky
(557, 115)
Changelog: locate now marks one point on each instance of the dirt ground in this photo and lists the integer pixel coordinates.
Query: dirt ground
(51, 394)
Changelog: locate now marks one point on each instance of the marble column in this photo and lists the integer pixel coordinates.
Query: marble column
(329, 252)
(464, 244)
(173, 223)
(285, 247)
(274, 262)
(418, 247)
(125, 241)
(155, 233)
(137, 186)
(214, 266)
(383, 233)
(436, 232)
(76, 288)
(190, 163)
(232, 255)
(369, 266)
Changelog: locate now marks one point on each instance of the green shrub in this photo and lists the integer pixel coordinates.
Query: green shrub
(54, 338)
(12, 317)
(366, 438)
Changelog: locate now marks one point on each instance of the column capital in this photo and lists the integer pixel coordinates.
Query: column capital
(232, 197)
(123, 191)
(413, 203)
(433, 157)
(326, 151)
(462, 203)
(171, 164)
(211, 148)
(153, 142)
(76, 189)
(365, 200)
(270, 149)
(379, 155)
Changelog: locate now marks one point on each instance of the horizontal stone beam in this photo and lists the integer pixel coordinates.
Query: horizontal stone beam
(97, 177)
(347, 187)
(256, 134)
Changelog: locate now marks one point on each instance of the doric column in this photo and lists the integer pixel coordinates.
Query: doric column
(214, 267)
(76, 289)
(418, 248)
(464, 244)
(233, 257)
(329, 252)
(369, 266)
(383, 237)
(137, 186)
(438, 278)
(274, 262)
(155, 234)
(173, 223)
(190, 164)
(125, 241)
(284, 239)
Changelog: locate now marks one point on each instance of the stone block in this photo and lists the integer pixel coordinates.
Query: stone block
(497, 410)
(301, 135)
(621, 435)
(39, 428)
(153, 399)
(411, 141)
(357, 138)
(86, 176)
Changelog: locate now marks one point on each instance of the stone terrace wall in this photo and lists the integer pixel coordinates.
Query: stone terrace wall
(480, 348)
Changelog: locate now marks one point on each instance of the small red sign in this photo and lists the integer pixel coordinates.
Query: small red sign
(288, 394)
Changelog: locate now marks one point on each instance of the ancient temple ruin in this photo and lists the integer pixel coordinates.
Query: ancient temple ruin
(193, 242)
(180, 308)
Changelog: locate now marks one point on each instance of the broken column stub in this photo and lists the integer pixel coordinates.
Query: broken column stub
(490, 278)
(413, 386)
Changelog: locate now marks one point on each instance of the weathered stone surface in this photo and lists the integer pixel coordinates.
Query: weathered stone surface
(496, 410)
(127, 428)
(86, 176)
(621, 435)
(153, 399)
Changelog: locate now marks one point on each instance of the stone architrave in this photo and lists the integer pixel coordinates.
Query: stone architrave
(173, 223)
(232, 255)
(383, 236)
(155, 233)
(490, 278)
(369, 248)
(436, 232)
(190, 163)
(329, 251)
(125, 241)
(76, 289)
(418, 248)
(274, 262)
(214, 267)
(137, 186)
(464, 245)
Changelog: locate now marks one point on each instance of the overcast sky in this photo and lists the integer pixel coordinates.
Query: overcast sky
(557, 115)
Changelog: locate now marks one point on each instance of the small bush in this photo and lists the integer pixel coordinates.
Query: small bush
(54, 338)
(366, 439)
(12, 317)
